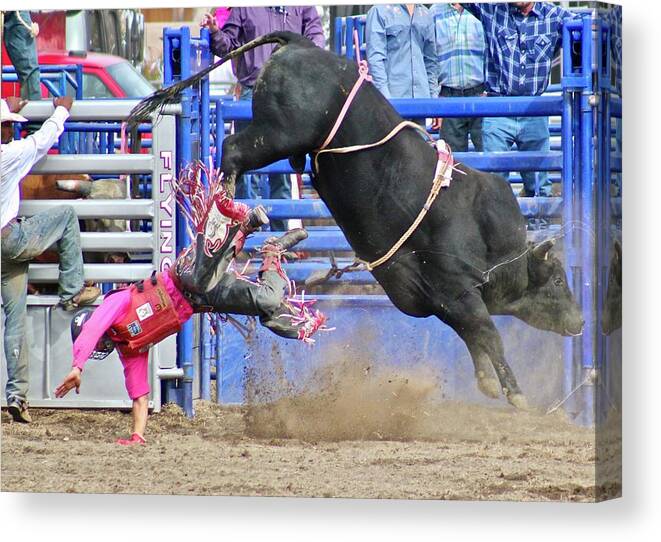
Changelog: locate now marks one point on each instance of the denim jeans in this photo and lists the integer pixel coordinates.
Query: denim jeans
(22, 51)
(249, 185)
(207, 283)
(22, 242)
(529, 134)
(455, 131)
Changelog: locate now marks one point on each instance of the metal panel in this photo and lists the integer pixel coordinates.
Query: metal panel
(49, 272)
(49, 342)
(90, 110)
(163, 240)
(113, 208)
(93, 164)
(124, 241)
(48, 325)
(82, 110)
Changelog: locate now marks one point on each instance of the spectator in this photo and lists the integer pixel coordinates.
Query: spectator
(243, 25)
(19, 37)
(401, 51)
(522, 40)
(460, 48)
(25, 239)
(223, 79)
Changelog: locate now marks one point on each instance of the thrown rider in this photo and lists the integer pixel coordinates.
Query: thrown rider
(201, 280)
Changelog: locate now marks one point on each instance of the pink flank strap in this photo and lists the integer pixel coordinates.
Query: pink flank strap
(363, 75)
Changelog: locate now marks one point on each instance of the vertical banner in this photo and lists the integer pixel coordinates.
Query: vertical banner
(164, 354)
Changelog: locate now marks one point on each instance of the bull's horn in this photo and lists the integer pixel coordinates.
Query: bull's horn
(618, 248)
(84, 188)
(541, 251)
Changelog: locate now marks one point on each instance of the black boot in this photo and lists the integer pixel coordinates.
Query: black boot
(274, 248)
(285, 242)
(256, 219)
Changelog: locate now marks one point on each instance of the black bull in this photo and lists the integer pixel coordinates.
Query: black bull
(467, 260)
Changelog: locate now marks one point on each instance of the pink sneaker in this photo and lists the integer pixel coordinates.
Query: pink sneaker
(135, 439)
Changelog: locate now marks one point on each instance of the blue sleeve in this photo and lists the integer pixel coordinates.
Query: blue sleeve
(376, 44)
(432, 65)
(477, 10)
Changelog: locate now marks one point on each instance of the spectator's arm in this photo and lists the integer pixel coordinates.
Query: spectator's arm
(34, 147)
(228, 38)
(432, 65)
(476, 10)
(312, 28)
(96, 325)
(375, 38)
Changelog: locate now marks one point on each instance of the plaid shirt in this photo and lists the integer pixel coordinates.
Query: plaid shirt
(460, 47)
(520, 49)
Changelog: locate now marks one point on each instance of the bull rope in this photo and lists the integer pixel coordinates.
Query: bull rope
(442, 175)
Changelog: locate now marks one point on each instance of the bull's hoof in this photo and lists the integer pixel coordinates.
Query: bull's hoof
(518, 400)
(489, 387)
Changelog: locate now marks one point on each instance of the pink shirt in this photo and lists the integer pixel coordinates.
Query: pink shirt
(112, 311)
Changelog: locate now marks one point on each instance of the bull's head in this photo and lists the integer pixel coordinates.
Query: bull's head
(547, 302)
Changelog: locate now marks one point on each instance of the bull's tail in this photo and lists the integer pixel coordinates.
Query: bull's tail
(170, 94)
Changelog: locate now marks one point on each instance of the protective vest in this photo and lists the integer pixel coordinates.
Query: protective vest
(150, 318)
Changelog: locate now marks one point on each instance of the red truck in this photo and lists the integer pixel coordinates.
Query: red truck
(104, 76)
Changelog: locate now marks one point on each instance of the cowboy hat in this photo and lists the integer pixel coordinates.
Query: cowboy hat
(7, 116)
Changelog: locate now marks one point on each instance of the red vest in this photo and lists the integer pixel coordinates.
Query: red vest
(150, 318)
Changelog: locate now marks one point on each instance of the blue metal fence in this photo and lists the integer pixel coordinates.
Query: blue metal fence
(57, 78)
(586, 207)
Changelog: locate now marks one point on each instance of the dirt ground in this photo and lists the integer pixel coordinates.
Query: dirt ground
(365, 435)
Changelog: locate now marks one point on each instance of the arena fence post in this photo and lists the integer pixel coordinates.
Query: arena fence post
(337, 35)
(177, 67)
(588, 226)
(568, 197)
(204, 58)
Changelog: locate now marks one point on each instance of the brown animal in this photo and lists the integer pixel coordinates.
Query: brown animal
(45, 186)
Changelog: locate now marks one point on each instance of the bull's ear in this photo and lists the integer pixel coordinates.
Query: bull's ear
(618, 249)
(78, 186)
(541, 251)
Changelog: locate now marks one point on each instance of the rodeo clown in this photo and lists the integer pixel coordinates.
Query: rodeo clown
(201, 280)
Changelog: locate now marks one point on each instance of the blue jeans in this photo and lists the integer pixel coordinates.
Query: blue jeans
(22, 242)
(22, 51)
(529, 134)
(248, 186)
